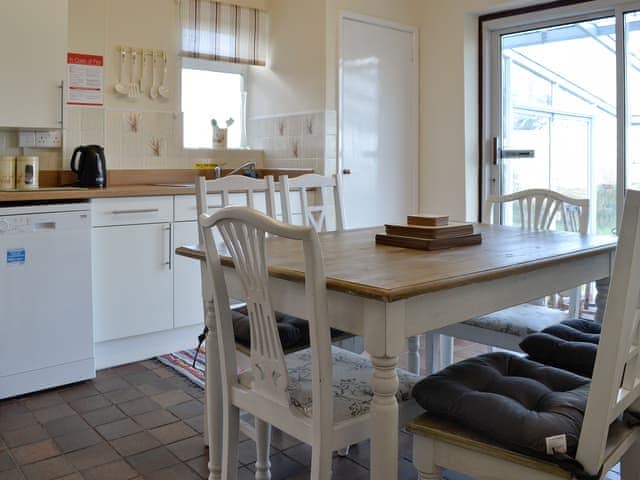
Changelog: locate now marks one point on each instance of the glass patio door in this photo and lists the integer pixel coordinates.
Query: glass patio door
(556, 125)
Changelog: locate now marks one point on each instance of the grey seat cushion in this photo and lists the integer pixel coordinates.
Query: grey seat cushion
(520, 320)
(293, 331)
(571, 345)
(508, 399)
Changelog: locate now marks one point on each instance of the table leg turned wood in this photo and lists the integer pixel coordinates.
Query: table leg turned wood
(213, 398)
(602, 290)
(384, 416)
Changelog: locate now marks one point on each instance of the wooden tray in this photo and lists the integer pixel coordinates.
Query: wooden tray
(428, 243)
(453, 229)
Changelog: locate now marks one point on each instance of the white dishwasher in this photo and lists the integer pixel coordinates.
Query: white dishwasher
(46, 324)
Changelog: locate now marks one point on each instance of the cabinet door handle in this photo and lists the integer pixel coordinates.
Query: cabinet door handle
(132, 212)
(346, 171)
(167, 228)
(61, 87)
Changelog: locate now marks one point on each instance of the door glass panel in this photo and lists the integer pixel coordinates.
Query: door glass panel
(632, 61)
(559, 100)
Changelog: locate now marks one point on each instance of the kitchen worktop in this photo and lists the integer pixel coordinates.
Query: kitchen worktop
(127, 190)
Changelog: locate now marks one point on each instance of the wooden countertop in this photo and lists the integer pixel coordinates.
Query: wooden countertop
(355, 264)
(142, 186)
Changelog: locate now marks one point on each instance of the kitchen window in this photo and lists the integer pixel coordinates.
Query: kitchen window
(212, 91)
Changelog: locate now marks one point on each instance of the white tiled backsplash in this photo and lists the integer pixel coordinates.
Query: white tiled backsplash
(301, 140)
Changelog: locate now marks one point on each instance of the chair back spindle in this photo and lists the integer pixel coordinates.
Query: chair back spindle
(244, 233)
(538, 209)
(314, 210)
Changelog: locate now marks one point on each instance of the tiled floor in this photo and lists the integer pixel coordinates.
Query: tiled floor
(144, 421)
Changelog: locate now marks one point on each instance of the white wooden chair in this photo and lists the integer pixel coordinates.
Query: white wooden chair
(314, 208)
(296, 393)
(615, 388)
(506, 328)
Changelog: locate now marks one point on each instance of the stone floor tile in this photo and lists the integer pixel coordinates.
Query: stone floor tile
(119, 470)
(139, 406)
(125, 394)
(64, 425)
(77, 440)
(129, 368)
(110, 383)
(119, 428)
(12, 407)
(189, 448)
(92, 456)
(14, 474)
(152, 460)
(79, 390)
(19, 420)
(87, 404)
(165, 372)
(55, 467)
(177, 471)
(73, 476)
(23, 436)
(200, 465)
(133, 444)
(103, 415)
(34, 452)
(186, 410)
(6, 462)
(46, 415)
(197, 423)
(171, 398)
(173, 432)
(155, 418)
(42, 400)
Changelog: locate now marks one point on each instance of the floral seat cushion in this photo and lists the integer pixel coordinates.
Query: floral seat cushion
(520, 320)
(352, 392)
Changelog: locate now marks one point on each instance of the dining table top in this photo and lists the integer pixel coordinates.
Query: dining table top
(356, 265)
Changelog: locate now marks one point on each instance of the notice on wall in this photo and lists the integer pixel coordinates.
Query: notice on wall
(85, 82)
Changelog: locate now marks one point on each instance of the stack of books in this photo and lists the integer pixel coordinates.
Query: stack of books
(429, 232)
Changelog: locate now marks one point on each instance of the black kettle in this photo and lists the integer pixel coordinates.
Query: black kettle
(90, 166)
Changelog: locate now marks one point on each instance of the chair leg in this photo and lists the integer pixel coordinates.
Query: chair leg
(423, 459)
(574, 303)
(446, 350)
(432, 352)
(630, 464)
(413, 344)
(321, 458)
(263, 444)
(231, 432)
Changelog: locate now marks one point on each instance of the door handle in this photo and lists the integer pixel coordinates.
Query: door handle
(346, 171)
(167, 228)
(131, 212)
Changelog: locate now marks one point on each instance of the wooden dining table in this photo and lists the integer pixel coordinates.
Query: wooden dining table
(387, 294)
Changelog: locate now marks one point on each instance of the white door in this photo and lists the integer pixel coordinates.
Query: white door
(378, 121)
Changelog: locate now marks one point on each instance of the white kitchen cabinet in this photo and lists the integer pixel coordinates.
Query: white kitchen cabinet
(132, 279)
(33, 46)
(187, 292)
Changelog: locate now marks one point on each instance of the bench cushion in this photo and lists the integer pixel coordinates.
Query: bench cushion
(520, 320)
(512, 400)
(352, 392)
(293, 331)
(571, 345)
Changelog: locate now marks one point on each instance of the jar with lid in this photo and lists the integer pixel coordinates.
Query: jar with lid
(7, 173)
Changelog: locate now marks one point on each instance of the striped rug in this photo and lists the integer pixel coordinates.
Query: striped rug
(182, 362)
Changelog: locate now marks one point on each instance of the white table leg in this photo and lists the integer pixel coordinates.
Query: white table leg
(602, 289)
(413, 345)
(213, 398)
(384, 416)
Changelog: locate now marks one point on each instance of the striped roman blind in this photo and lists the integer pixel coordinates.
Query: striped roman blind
(223, 32)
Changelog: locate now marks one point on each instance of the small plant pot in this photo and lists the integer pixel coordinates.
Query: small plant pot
(219, 138)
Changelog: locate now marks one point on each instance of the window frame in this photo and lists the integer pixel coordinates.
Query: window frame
(218, 67)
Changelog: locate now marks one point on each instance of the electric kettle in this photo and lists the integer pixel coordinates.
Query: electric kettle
(89, 163)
